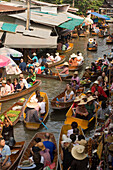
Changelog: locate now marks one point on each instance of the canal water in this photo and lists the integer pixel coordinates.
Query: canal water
(54, 87)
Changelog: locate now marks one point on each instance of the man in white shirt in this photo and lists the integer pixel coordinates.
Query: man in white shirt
(57, 57)
(6, 89)
(23, 82)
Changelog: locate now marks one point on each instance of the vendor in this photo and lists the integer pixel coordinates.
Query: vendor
(75, 77)
(66, 69)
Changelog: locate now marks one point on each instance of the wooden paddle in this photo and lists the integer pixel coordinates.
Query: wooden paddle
(58, 74)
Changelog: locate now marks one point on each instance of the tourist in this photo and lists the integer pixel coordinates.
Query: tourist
(35, 57)
(32, 77)
(41, 107)
(64, 47)
(57, 57)
(81, 111)
(74, 129)
(35, 149)
(30, 65)
(88, 93)
(66, 156)
(23, 83)
(49, 145)
(22, 65)
(93, 67)
(90, 106)
(5, 89)
(59, 46)
(37, 161)
(75, 104)
(75, 77)
(98, 90)
(105, 59)
(45, 153)
(35, 97)
(47, 70)
(68, 94)
(42, 67)
(103, 111)
(87, 73)
(11, 85)
(65, 71)
(42, 59)
(74, 85)
(80, 158)
(7, 131)
(73, 138)
(100, 82)
(16, 85)
(5, 152)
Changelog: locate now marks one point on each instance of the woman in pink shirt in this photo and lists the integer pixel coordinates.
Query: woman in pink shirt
(66, 69)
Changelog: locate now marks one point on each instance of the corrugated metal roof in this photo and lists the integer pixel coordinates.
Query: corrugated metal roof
(19, 41)
(42, 18)
(10, 9)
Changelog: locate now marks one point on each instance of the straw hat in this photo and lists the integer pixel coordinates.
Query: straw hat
(82, 102)
(109, 139)
(34, 54)
(96, 82)
(48, 54)
(4, 81)
(66, 139)
(100, 59)
(90, 40)
(77, 99)
(26, 163)
(37, 64)
(90, 99)
(21, 76)
(78, 152)
(41, 146)
(112, 62)
(76, 72)
(82, 142)
(89, 91)
(66, 64)
(32, 104)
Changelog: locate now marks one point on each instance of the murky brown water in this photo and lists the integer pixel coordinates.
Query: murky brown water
(53, 88)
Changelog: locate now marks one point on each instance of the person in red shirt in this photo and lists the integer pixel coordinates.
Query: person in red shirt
(75, 104)
(98, 90)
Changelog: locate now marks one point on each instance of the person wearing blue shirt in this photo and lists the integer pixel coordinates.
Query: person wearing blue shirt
(49, 145)
(22, 65)
(5, 154)
(35, 57)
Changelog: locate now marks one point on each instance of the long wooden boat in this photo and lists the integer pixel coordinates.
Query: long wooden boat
(26, 153)
(64, 130)
(60, 105)
(82, 35)
(69, 49)
(52, 64)
(109, 41)
(21, 93)
(16, 152)
(85, 124)
(35, 125)
(94, 33)
(102, 36)
(92, 48)
(17, 112)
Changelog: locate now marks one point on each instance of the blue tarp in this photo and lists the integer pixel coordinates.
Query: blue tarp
(99, 15)
(9, 27)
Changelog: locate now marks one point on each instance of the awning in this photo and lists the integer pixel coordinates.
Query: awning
(71, 24)
(18, 40)
(99, 15)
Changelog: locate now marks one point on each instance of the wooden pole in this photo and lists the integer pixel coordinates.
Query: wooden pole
(73, 4)
(28, 14)
(58, 74)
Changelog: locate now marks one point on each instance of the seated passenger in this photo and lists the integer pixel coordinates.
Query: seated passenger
(37, 161)
(49, 145)
(75, 77)
(75, 104)
(7, 131)
(45, 153)
(17, 86)
(42, 106)
(68, 94)
(74, 129)
(11, 85)
(90, 106)
(66, 69)
(23, 83)
(35, 97)
(35, 149)
(5, 152)
(57, 57)
(103, 111)
(5, 89)
(31, 77)
(81, 111)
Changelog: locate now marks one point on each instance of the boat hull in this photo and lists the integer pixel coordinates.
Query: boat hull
(69, 49)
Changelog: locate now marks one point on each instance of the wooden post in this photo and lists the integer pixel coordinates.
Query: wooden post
(28, 14)
(73, 4)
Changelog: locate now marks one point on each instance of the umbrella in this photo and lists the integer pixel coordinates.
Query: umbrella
(88, 21)
(4, 61)
(10, 52)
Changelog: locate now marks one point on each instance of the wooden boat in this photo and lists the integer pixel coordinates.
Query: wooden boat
(69, 49)
(85, 124)
(52, 64)
(74, 34)
(109, 41)
(60, 105)
(35, 125)
(18, 114)
(82, 35)
(101, 35)
(92, 48)
(26, 153)
(16, 152)
(94, 33)
(64, 130)
(21, 93)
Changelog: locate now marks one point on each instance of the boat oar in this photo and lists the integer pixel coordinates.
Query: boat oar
(43, 123)
(58, 74)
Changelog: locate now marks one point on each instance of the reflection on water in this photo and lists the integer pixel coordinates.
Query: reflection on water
(54, 87)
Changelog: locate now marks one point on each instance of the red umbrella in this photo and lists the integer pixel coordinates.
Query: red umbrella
(4, 61)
